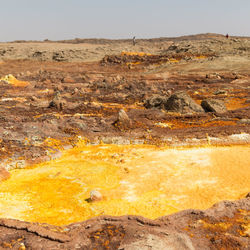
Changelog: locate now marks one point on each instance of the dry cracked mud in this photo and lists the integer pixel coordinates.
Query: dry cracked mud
(186, 92)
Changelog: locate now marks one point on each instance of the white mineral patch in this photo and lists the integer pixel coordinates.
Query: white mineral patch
(200, 157)
(6, 99)
(130, 196)
(205, 182)
(15, 207)
(243, 136)
(129, 189)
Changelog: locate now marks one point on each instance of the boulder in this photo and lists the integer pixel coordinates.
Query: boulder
(220, 92)
(181, 102)
(95, 195)
(68, 79)
(59, 56)
(57, 101)
(213, 105)
(244, 121)
(213, 76)
(123, 121)
(77, 123)
(155, 102)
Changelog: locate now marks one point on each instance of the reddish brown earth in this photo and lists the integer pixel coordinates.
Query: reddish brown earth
(68, 96)
(224, 226)
(92, 96)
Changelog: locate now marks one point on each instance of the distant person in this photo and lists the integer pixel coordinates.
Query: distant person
(227, 36)
(134, 41)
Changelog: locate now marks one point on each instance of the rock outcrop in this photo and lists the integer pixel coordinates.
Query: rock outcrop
(123, 121)
(155, 102)
(224, 226)
(213, 105)
(57, 102)
(181, 102)
(95, 195)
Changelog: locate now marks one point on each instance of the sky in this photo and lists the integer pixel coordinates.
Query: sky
(69, 19)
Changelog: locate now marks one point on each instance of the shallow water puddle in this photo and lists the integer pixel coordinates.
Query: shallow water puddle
(143, 180)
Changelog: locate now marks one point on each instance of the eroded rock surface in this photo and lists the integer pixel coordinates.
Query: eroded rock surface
(155, 102)
(225, 225)
(123, 121)
(181, 102)
(213, 105)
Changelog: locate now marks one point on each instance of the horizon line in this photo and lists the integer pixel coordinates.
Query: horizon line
(128, 38)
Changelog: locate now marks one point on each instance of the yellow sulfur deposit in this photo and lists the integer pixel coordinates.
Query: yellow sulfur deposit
(10, 79)
(135, 179)
(128, 53)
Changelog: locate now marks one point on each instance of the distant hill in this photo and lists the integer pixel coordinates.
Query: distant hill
(109, 41)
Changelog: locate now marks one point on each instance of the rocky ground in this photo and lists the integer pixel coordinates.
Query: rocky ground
(224, 226)
(186, 91)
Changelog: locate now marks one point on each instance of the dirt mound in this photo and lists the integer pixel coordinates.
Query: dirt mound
(225, 225)
(213, 47)
(134, 58)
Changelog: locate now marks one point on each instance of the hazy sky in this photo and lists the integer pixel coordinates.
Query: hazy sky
(66, 19)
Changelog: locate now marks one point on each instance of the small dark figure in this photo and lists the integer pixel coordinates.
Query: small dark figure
(134, 40)
(227, 36)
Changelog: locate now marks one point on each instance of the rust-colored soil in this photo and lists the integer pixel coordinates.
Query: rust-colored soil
(224, 226)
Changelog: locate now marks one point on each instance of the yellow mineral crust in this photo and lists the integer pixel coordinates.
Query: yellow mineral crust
(10, 79)
(129, 53)
(135, 179)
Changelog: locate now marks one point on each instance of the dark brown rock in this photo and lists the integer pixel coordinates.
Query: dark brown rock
(181, 102)
(57, 102)
(213, 105)
(155, 102)
(123, 121)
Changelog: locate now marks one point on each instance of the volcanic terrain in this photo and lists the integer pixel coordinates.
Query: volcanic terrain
(107, 145)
